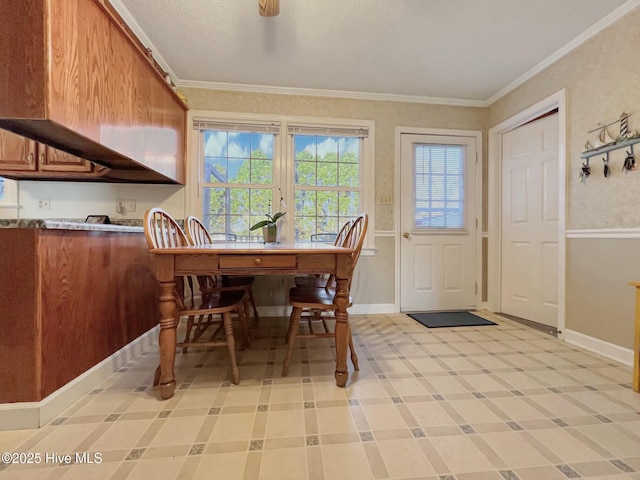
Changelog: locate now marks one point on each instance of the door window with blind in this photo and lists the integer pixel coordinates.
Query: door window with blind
(439, 186)
(314, 172)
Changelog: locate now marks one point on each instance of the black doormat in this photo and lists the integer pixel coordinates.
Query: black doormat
(449, 319)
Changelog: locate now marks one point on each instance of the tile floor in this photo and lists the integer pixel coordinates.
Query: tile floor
(499, 402)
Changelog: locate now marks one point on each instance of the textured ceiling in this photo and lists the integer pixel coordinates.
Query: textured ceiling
(469, 50)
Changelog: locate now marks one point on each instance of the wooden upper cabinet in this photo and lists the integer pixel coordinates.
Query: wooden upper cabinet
(78, 81)
(23, 158)
(52, 160)
(16, 152)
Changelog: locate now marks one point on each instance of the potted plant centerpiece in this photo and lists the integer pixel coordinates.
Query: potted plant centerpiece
(269, 227)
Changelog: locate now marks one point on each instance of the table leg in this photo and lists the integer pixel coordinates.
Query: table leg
(167, 340)
(341, 301)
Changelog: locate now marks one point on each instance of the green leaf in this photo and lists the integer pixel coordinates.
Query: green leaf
(260, 224)
(278, 215)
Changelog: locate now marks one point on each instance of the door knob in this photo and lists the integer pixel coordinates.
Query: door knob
(406, 235)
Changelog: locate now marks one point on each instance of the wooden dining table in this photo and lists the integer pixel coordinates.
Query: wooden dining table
(235, 258)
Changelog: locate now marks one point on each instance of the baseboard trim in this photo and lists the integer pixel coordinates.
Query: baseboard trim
(22, 415)
(609, 350)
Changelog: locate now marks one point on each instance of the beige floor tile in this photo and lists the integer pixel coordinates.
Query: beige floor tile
(10, 440)
(347, 461)
(460, 454)
(178, 431)
(288, 393)
(558, 406)
(474, 411)
(515, 450)
(285, 464)
(383, 417)
(404, 458)
(566, 445)
(307, 426)
(327, 391)
(516, 408)
(335, 420)
(483, 383)
(243, 395)
(64, 438)
(366, 389)
(288, 423)
(407, 386)
(430, 414)
(447, 384)
(121, 435)
(613, 441)
(158, 468)
(232, 427)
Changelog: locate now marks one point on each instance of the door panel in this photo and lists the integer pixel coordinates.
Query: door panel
(530, 221)
(438, 223)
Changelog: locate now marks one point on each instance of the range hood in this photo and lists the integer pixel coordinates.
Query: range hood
(74, 77)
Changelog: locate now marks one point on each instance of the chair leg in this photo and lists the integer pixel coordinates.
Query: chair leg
(187, 336)
(244, 324)
(256, 315)
(231, 345)
(156, 376)
(354, 356)
(294, 325)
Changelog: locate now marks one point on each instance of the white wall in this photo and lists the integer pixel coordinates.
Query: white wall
(79, 199)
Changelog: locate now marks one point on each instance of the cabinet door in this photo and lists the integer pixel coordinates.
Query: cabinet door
(17, 153)
(53, 160)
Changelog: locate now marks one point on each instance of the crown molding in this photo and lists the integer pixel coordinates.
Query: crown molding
(316, 92)
(596, 28)
(389, 97)
(135, 27)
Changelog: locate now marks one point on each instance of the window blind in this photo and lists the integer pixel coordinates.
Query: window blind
(356, 132)
(203, 124)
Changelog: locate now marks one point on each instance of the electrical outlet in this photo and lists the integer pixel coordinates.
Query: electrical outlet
(44, 204)
(130, 205)
(121, 207)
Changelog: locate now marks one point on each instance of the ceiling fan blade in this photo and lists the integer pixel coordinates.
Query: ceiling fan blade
(269, 8)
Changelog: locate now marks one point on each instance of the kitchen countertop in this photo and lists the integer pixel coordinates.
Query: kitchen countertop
(72, 224)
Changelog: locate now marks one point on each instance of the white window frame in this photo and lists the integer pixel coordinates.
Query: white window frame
(283, 161)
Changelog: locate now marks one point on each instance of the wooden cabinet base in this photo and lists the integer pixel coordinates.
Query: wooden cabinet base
(69, 299)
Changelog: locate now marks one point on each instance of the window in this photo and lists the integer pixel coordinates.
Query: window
(439, 186)
(8, 192)
(238, 178)
(316, 171)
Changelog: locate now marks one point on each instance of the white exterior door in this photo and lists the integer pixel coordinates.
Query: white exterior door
(529, 283)
(438, 222)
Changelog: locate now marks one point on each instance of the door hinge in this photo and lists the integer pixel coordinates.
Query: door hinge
(476, 223)
(476, 288)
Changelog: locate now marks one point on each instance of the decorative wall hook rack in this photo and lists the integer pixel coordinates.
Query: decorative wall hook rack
(605, 143)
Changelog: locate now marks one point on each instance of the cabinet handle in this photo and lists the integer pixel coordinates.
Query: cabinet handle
(41, 157)
(30, 157)
(257, 261)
